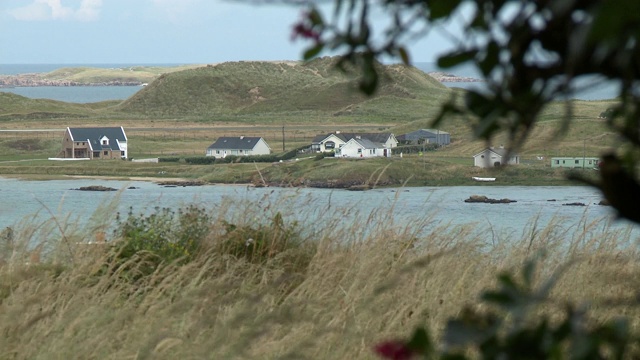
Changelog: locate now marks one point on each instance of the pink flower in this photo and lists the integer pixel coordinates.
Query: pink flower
(304, 31)
(394, 350)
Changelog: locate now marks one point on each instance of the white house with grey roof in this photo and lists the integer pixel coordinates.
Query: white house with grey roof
(238, 146)
(95, 143)
(491, 157)
(362, 148)
(334, 141)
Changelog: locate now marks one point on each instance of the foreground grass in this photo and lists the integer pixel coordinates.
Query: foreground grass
(324, 291)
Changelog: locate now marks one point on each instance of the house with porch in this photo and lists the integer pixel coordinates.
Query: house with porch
(491, 156)
(238, 146)
(333, 141)
(362, 148)
(94, 143)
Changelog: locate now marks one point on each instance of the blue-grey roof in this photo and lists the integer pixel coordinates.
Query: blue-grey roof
(375, 137)
(94, 134)
(368, 144)
(237, 142)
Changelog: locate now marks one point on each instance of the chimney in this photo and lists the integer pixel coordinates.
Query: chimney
(338, 132)
(241, 137)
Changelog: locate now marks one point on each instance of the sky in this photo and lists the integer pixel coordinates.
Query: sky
(156, 32)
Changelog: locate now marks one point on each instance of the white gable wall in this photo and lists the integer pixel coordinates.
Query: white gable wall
(261, 148)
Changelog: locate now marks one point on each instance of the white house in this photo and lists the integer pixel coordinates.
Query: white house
(362, 148)
(333, 141)
(490, 157)
(238, 146)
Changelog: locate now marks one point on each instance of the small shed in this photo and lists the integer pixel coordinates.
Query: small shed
(490, 157)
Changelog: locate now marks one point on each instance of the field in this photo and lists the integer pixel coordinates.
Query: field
(202, 290)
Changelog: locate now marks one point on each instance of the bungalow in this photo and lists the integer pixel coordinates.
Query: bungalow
(333, 141)
(575, 162)
(362, 148)
(494, 157)
(238, 146)
(95, 143)
(427, 136)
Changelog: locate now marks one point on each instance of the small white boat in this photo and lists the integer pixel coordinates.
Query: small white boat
(483, 178)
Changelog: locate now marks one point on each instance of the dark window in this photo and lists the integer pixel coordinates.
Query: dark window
(106, 153)
(329, 145)
(577, 161)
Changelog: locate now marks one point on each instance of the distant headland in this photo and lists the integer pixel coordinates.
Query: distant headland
(133, 76)
(446, 77)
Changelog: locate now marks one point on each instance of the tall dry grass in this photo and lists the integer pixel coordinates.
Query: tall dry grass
(332, 294)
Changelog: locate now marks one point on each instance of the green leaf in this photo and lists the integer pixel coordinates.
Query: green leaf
(313, 52)
(420, 341)
(456, 58)
(315, 17)
(442, 8)
(404, 55)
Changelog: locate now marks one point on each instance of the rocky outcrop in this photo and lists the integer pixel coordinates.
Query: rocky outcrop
(181, 183)
(486, 200)
(95, 188)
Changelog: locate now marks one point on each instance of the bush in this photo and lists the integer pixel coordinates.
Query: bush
(163, 237)
(169, 159)
(200, 160)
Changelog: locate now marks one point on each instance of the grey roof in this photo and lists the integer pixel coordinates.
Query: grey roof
(375, 137)
(368, 144)
(500, 151)
(93, 136)
(235, 142)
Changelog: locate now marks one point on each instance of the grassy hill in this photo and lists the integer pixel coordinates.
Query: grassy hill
(315, 87)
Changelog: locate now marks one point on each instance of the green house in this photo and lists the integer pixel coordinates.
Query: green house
(575, 162)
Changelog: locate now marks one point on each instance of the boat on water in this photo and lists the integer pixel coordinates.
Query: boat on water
(483, 178)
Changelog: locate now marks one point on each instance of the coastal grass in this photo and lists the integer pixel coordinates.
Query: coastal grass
(321, 287)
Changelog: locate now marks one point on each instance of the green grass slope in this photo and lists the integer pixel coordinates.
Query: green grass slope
(270, 87)
(14, 107)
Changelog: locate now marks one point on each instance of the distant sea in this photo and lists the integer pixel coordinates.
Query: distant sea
(594, 89)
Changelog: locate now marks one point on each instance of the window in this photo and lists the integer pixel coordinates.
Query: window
(105, 142)
(577, 161)
(557, 162)
(105, 153)
(217, 151)
(359, 151)
(240, 151)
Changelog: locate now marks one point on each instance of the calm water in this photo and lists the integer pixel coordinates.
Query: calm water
(316, 207)
(76, 94)
(592, 89)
